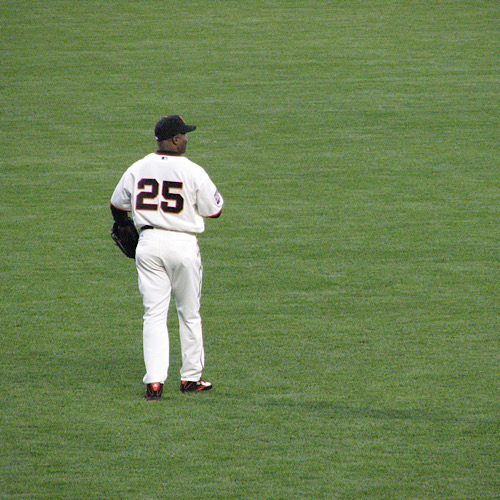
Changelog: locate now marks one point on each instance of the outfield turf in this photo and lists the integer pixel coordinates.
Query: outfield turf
(350, 300)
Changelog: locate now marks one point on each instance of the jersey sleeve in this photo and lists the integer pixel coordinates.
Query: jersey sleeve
(121, 197)
(209, 200)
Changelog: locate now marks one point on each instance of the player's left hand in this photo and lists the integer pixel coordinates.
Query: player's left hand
(125, 235)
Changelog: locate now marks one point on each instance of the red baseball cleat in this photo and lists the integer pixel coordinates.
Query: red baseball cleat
(153, 391)
(201, 385)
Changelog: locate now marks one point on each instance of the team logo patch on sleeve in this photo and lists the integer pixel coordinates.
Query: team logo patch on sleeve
(217, 197)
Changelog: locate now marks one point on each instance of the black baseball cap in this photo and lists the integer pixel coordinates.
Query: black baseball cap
(171, 125)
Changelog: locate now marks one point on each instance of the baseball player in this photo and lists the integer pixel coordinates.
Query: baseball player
(169, 196)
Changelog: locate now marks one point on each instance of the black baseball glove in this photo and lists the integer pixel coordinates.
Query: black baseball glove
(125, 235)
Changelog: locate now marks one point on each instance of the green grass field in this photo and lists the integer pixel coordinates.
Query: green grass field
(350, 300)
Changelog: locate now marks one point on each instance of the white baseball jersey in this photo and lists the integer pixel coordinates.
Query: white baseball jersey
(168, 191)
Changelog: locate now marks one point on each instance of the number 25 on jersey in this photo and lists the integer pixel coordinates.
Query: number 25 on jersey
(150, 188)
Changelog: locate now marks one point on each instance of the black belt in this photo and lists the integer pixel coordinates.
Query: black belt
(143, 228)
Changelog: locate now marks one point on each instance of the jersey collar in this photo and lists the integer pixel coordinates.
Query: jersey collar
(168, 153)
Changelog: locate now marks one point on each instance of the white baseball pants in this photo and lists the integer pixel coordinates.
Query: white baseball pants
(167, 262)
